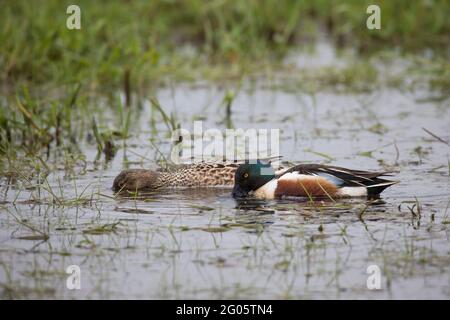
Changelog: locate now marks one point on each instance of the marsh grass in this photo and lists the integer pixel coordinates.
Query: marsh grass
(138, 46)
(53, 78)
(68, 92)
(131, 51)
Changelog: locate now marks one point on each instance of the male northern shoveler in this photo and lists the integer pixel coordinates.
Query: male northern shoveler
(306, 180)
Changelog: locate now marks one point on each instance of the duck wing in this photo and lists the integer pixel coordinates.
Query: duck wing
(343, 177)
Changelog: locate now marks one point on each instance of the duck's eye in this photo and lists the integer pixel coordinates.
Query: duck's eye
(245, 175)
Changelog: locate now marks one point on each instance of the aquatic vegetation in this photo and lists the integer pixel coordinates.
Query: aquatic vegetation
(77, 107)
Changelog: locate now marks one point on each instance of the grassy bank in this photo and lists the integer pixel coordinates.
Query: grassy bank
(146, 40)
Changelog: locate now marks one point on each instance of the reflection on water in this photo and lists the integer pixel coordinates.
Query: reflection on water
(202, 243)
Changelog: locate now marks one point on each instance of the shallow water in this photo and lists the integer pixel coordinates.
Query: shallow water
(202, 244)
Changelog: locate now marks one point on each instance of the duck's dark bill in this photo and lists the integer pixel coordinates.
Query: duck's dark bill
(238, 192)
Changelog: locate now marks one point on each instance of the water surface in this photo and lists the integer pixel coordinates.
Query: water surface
(202, 244)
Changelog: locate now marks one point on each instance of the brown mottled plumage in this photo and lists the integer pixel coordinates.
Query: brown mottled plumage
(194, 175)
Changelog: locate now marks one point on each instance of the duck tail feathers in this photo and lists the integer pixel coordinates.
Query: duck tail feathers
(379, 185)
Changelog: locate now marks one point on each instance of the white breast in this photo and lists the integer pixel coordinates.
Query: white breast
(352, 192)
(267, 191)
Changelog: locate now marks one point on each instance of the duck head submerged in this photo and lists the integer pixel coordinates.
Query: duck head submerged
(250, 177)
(136, 179)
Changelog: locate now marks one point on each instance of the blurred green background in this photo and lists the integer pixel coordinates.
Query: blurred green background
(150, 39)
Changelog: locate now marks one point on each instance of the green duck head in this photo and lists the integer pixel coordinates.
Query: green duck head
(250, 176)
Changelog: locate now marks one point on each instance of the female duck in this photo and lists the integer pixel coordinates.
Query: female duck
(306, 180)
(194, 175)
(200, 174)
